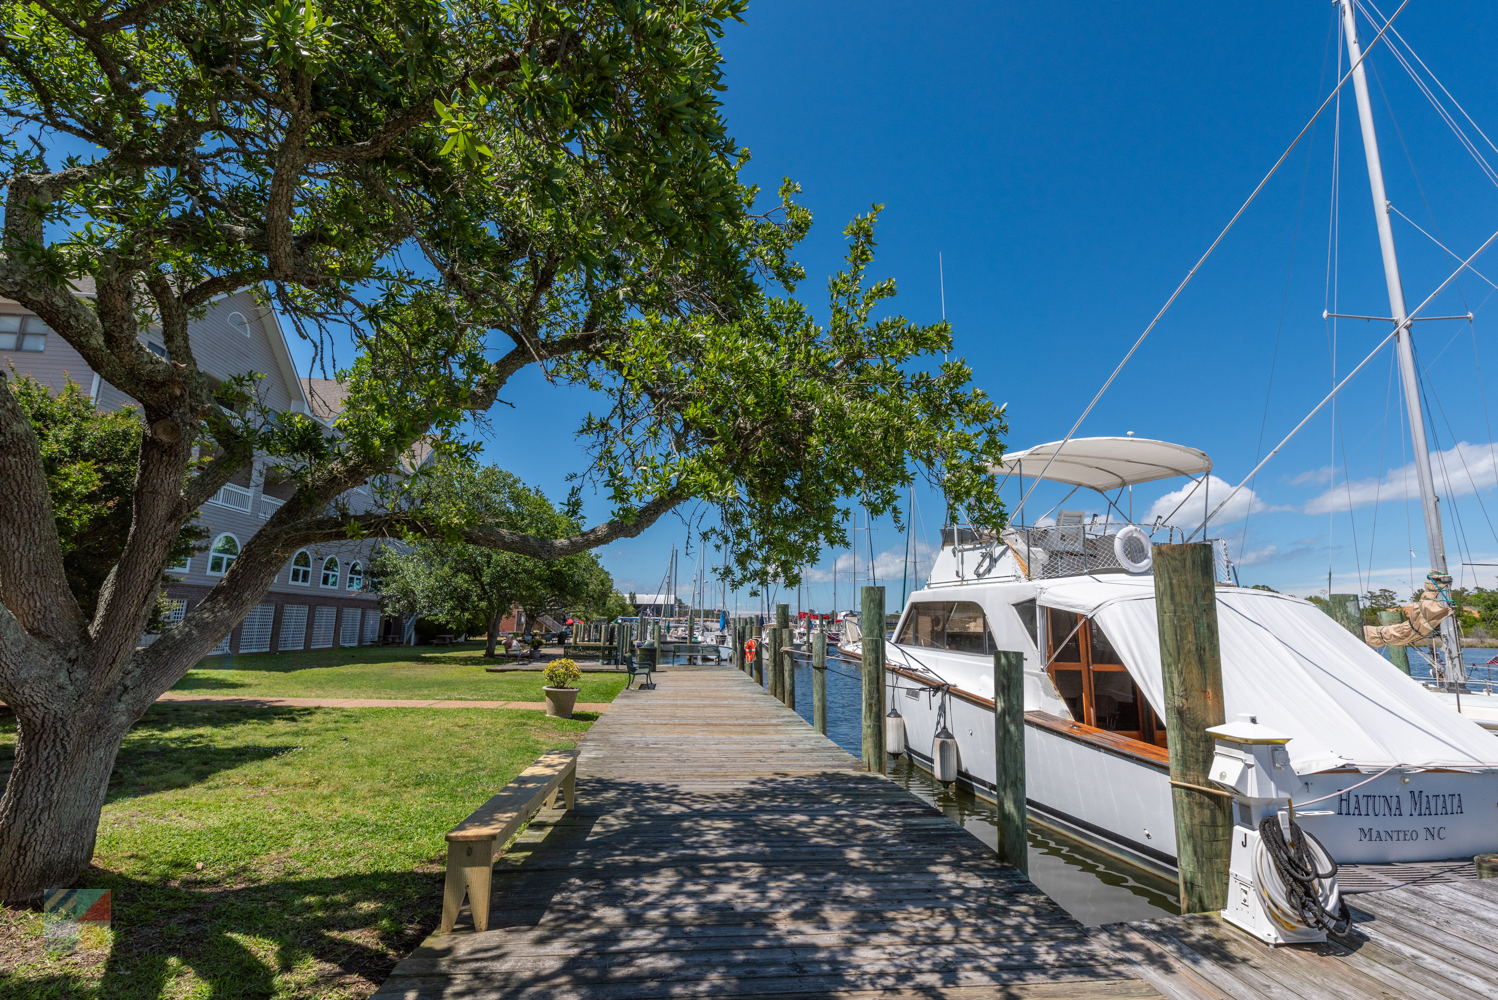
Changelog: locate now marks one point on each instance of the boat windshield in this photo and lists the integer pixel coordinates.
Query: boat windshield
(955, 626)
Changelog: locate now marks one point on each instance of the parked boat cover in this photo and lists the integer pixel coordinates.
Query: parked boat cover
(1288, 663)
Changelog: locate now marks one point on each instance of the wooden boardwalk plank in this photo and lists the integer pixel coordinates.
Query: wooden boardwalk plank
(721, 849)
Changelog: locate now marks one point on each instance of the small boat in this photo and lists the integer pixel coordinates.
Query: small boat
(851, 642)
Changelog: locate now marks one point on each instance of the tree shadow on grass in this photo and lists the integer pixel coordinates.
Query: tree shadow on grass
(172, 746)
(318, 936)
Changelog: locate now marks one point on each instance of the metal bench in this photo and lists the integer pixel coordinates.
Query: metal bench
(472, 843)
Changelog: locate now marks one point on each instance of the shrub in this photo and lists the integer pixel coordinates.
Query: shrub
(562, 673)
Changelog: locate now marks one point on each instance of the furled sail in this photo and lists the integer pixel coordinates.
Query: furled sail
(1421, 619)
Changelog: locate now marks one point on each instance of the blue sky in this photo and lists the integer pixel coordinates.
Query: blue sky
(1070, 164)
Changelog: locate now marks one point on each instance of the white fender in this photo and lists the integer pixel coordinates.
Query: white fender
(1121, 550)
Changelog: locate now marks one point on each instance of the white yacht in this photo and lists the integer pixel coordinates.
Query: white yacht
(1077, 598)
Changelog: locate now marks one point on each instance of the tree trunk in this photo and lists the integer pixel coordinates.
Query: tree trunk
(49, 814)
(493, 627)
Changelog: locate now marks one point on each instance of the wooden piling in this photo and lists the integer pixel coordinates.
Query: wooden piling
(1191, 660)
(1398, 655)
(759, 653)
(819, 681)
(1345, 611)
(782, 623)
(871, 622)
(1009, 756)
(788, 662)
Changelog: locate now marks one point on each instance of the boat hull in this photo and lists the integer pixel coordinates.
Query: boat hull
(1122, 804)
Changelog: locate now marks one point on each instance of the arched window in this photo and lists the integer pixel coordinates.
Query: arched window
(330, 572)
(301, 569)
(225, 550)
(355, 577)
(238, 323)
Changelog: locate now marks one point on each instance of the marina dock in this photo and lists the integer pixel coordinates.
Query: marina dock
(720, 847)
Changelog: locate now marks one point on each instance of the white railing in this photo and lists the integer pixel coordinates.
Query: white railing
(233, 497)
(269, 506)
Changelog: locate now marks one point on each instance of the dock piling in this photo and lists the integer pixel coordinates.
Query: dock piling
(871, 622)
(778, 633)
(788, 661)
(1009, 758)
(1345, 611)
(759, 653)
(819, 681)
(1191, 661)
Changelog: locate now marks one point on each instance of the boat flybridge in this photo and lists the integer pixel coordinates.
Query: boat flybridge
(1076, 595)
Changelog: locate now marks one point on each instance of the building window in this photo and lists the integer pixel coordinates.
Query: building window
(182, 568)
(301, 569)
(158, 349)
(355, 577)
(330, 572)
(238, 323)
(23, 333)
(225, 550)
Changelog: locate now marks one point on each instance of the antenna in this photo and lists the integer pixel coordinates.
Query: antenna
(941, 276)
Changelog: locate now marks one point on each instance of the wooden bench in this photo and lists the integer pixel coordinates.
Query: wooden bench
(472, 843)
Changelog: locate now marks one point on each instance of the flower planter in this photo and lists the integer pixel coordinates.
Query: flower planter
(559, 701)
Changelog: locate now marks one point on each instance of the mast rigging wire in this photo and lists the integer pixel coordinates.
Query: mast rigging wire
(1220, 236)
(1408, 318)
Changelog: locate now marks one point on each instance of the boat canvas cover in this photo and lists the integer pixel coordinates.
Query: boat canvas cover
(1291, 665)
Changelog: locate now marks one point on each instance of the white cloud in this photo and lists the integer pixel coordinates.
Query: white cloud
(1316, 476)
(1458, 471)
(1188, 506)
(888, 565)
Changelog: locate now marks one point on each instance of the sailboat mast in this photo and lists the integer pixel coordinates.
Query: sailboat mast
(1429, 502)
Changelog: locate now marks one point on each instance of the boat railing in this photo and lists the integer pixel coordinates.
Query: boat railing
(1048, 552)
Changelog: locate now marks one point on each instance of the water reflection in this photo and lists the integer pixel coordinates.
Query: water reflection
(1091, 886)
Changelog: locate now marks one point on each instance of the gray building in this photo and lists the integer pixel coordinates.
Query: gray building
(318, 600)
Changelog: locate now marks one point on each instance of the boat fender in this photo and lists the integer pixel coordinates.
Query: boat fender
(894, 733)
(944, 756)
(1121, 549)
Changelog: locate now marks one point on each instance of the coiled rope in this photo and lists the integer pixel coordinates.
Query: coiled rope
(1294, 888)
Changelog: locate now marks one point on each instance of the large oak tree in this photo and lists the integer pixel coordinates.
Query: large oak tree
(465, 189)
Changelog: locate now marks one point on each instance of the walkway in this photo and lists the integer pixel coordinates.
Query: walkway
(721, 848)
(252, 702)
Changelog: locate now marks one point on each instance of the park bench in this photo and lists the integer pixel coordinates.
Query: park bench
(472, 843)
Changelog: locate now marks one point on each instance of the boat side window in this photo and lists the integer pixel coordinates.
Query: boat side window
(925, 627)
(1026, 612)
(1091, 678)
(1061, 626)
(967, 629)
(1102, 646)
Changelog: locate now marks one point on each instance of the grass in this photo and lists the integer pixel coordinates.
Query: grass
(274, 852)
(379, 672)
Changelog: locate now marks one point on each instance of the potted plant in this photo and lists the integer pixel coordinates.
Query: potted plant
(561, 677)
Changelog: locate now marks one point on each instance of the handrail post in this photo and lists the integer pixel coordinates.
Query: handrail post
(819, 681)
(871, 624)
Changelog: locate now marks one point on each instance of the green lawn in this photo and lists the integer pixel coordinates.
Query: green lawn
(380, 672)
(277, 852)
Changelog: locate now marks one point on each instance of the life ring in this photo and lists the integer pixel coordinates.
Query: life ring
(749, 648)
(1121, 550)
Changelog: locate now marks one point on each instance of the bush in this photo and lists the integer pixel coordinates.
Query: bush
(562, 673)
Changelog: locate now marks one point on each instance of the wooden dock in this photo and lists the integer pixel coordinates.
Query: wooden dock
(721, 848)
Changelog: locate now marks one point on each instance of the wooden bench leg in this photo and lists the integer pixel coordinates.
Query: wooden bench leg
(569, 788)
(470, 872)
